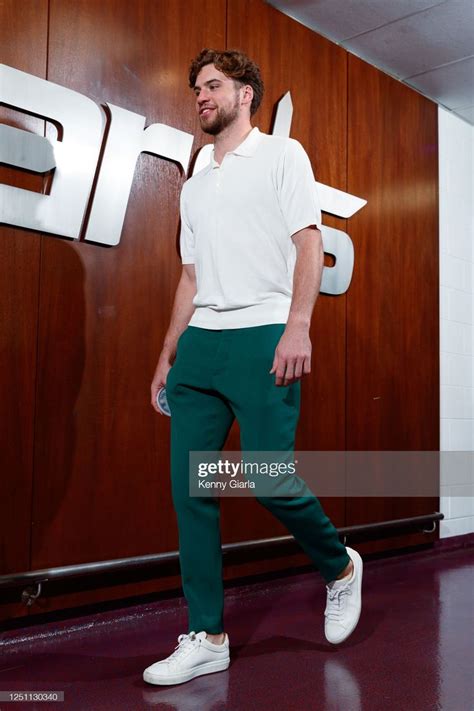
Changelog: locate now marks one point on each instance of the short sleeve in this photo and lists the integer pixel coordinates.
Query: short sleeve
(298, 195)
(186, 239)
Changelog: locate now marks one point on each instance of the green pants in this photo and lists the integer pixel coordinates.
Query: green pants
(219, 375)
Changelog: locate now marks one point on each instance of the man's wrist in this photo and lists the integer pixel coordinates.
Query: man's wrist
(298, 321)
(168, 351)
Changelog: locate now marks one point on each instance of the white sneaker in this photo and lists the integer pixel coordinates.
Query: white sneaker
(344, 602)
(193, 656)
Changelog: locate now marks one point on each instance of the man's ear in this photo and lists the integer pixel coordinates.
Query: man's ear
(248, 94)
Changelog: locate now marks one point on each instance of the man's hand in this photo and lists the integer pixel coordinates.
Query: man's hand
(159, 379)
(293, 352)
(292, 355)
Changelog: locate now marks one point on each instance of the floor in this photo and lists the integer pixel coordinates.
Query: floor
(413, 649)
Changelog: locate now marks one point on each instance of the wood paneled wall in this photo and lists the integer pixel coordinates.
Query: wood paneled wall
(23, 44)
(392, 325)
(85, 459)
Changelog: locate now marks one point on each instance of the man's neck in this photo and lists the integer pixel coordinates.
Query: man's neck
(230, 138)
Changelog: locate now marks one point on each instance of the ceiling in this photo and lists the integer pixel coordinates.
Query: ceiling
(427, 45)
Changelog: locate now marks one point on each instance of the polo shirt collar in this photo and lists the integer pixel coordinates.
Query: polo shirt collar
(246, 148)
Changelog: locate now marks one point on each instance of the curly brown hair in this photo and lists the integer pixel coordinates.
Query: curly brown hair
(233, 64)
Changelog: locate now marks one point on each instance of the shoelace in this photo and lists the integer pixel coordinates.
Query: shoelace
(335, 603)
(185, 642)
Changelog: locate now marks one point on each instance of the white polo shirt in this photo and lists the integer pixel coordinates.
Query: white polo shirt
(237, 219)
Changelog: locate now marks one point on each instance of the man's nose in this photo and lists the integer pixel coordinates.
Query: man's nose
(203, 97)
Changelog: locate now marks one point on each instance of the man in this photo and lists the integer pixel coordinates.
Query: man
(238, 345)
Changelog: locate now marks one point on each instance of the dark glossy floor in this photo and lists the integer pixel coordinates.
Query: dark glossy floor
(412, 650)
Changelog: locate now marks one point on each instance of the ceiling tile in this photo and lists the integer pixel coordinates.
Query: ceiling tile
(415, 44)
(452, 85)
(340, 19)
(467, 113)
(428, 44)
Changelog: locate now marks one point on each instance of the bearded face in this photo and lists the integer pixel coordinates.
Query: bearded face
(215, 119)
(218, 100)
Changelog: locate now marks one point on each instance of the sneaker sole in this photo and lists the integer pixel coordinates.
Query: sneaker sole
(359, 590)
(207, 668)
